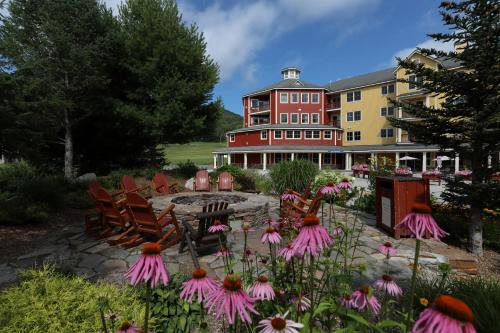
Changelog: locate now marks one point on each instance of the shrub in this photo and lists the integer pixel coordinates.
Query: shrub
(325, 177)
(171, 313)
(296, 174)
(48, 301)
(113, 179)
(186, 169)
(232, 169)
(379, 167)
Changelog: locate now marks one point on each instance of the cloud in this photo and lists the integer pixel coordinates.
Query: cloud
(428, 44)
(235, 34)
(250, 73)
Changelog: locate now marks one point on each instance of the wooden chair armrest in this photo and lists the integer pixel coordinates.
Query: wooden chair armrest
(190, 229)
(297, 194)
(166, 211)
(304, 201)
(122, 201)
(114, 194)
(299, 209)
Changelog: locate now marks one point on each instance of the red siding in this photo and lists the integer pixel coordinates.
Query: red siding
(245, 111)
(248, 139)
(253, 139)
(300, 107)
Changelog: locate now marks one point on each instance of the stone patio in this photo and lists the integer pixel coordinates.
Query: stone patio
(96, 260)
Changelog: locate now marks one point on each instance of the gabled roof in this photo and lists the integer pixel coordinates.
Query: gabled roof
(449, 62)
(384, 75)
(281, 126)
(287, 84)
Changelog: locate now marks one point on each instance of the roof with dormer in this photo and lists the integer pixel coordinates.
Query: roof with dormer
(287, 84)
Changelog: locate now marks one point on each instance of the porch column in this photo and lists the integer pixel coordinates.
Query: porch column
(293, 156)
(489, 161)
(264, 161)
(424, 161)
(228, 159)
(348, 161)
(398, 130)
(397, 160)
(457, 162)
(215, 161)
(245, 161)
(320, 156)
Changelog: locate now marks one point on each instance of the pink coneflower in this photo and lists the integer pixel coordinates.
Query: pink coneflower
(270, 236)
(262, 289)
(419, 222)
(337, 231)
(288, 195)
(329, 188)
(279, 324)
(287, 252)
(200, 284)
(346, 301)
(272, 223)
(216, 227)
(448, 315)
(345, 184)
(126, 327)
(303, 303)
(362, 298)
(149, 267)
(386, 283)
(246, 227)
(230, 299)
(224, 252)
(387, 249)
(312, 237)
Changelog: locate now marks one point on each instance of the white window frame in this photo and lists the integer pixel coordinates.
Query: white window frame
(251, 104)
(339, 135)
(281, 118)
(306, 115)
(291, 118)
(386, 86)
(306, 136)
(293, 134)
(353, 96)
(316, 134)
(302, 100)
(232, 137)
(386, 131)
(263, 135)
(347, 136)
(387, 111)
(354, 135)
(329, 137)
(312, 100)
(291, 98)
(410, 84)
(283, 94)
(312, 118)
(353, 113)
(280, 136)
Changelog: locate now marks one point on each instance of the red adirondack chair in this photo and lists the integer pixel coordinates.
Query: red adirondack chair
(161, 186)
(225, 182)
(114, 216)
(202, 181)
(312, 206)
(94, 218)
(128, 185)
(147, 223)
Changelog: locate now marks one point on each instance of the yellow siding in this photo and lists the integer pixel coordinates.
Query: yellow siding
(402, 87)
(371, 121)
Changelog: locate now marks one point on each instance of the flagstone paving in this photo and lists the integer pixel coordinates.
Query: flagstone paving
(96, 260)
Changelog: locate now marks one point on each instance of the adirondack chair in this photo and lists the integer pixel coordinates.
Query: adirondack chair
(300, 201)
(225, 182)
(114, 216)
(147, 223)
(128, 185)
(312, 206)
(200, 237)
(161, 186)
(94, 222)
(202, 181)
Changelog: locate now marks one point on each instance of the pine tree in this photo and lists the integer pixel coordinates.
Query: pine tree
(469, 118)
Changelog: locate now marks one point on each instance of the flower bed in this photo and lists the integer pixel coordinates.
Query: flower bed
(464, 174)
(405, 172)
(432, 175)
(360, 170)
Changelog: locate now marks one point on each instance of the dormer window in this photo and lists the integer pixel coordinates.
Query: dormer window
(290, 73)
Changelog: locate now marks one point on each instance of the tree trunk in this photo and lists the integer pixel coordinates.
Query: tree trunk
(476, 231)
(68, 147)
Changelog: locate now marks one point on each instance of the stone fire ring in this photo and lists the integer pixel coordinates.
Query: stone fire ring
(248, 207)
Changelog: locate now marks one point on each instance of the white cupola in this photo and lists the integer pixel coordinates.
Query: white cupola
(290, 73)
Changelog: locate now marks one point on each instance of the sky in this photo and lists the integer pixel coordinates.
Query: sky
(328, 39)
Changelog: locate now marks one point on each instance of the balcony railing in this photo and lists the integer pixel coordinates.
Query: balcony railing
(262, 106)
(259, 121)
(334, 123)
(332, 105)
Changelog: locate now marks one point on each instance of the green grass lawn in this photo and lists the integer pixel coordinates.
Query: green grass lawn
(198, 152)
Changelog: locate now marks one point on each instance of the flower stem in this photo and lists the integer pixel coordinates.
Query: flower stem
(103, 321)
(413, 283)
(311, 288)
(148, 301)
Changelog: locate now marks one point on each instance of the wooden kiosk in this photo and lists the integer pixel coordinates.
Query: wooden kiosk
(394, 197)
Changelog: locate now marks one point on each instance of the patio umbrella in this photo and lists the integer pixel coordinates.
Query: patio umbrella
(408, 158)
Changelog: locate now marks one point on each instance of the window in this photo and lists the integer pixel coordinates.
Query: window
(304, 98)
(232, 137)
(387, 132)
(278, 134)
(315, 98)
(327, 159)
(327, 135)
(388, 89)
(387, 111)
(349, 136)
(312, 134)
(284, 98)
(304, 118)
(294, 98)
(354, 96)
(284, 118)
(292, 134)
(315, 118)
(354, 136)
(263, 135)
(294, 118)
(413, 81)
(354, 116)
(254, 103)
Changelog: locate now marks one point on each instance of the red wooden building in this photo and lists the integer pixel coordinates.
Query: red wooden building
(283, 121)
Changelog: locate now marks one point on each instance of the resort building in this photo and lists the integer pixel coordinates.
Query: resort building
(334, 125)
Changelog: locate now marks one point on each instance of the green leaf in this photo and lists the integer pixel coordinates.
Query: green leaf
(358, 319)
(390, 323)
(322, 307)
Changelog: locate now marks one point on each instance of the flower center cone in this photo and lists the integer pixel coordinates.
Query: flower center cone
(278, 323)
(454, 308)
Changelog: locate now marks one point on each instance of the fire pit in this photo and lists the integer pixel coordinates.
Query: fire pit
(248, 207)
(207, 198)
